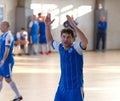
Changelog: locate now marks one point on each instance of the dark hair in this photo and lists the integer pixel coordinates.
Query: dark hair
(67, 31)
(39, 14)
(22, 28)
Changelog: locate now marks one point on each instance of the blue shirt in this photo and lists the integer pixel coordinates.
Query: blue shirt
(71, 62)
(42, 29)
(22, 36)
(6, 40)
(102, 26)
(34, 28)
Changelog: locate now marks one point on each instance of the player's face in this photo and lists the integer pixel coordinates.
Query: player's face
(2, 27)
(22, 31)
(67, 40)
(102, 18)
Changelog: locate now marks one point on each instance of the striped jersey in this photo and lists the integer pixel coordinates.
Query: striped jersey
(34, 28)
(22, 36)
(71, 62)
(6, 40)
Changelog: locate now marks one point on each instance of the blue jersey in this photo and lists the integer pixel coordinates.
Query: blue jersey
(22, 36)
(42, 38)
(34, 32)
(102, 26)
(71, 65)
(42, 29)
(6, 40)
(34, 28)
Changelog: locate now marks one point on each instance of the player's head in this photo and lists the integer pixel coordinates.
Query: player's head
(34, 18)
(67, 37)
(39, 14)
(22, 30)
(102, 18)
(4, 26)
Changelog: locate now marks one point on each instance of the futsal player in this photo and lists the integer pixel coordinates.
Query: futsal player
(71, 82)
(6, 59)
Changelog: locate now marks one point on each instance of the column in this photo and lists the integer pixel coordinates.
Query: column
(23, 13)
(99, 10)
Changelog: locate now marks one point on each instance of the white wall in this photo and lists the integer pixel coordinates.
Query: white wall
(85, 21)
(9, 12)
(113, 33)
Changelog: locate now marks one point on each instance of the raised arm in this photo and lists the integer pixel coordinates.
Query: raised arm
(83, 38)
(48, 23)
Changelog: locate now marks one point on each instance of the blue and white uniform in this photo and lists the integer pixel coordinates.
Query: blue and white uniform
(71, 79)
(42, 38)
(6, 40)
(34, 32)
(22, 36)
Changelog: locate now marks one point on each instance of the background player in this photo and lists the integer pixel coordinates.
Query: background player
(43, 45)
(101, 34)
(22, 42)
(34, 31)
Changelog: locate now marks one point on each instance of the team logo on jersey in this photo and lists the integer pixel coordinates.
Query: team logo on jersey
(70, 50)
(9, 41)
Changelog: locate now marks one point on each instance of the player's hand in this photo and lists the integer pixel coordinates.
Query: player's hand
(70, 20)
(48, 20)
(1, 63)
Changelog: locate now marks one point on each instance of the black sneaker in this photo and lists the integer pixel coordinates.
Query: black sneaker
(18, 99)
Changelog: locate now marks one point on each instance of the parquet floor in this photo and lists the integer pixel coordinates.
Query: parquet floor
(37, 77)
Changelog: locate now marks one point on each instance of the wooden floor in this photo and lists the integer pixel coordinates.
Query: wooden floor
(37, 77)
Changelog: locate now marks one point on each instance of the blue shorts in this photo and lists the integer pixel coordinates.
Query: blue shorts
(69, 95)
(42, 40)
(34, 39)
(6, 70)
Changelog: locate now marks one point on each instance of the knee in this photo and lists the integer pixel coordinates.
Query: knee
(1, 78)
(8, 80)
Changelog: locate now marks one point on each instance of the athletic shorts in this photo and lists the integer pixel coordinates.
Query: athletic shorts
(69, 95)
(34, 39)
(43, 40)
(6, 70)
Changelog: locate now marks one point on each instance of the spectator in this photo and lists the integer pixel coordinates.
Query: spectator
(22, 42)
(34, 31)
(101, 34)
